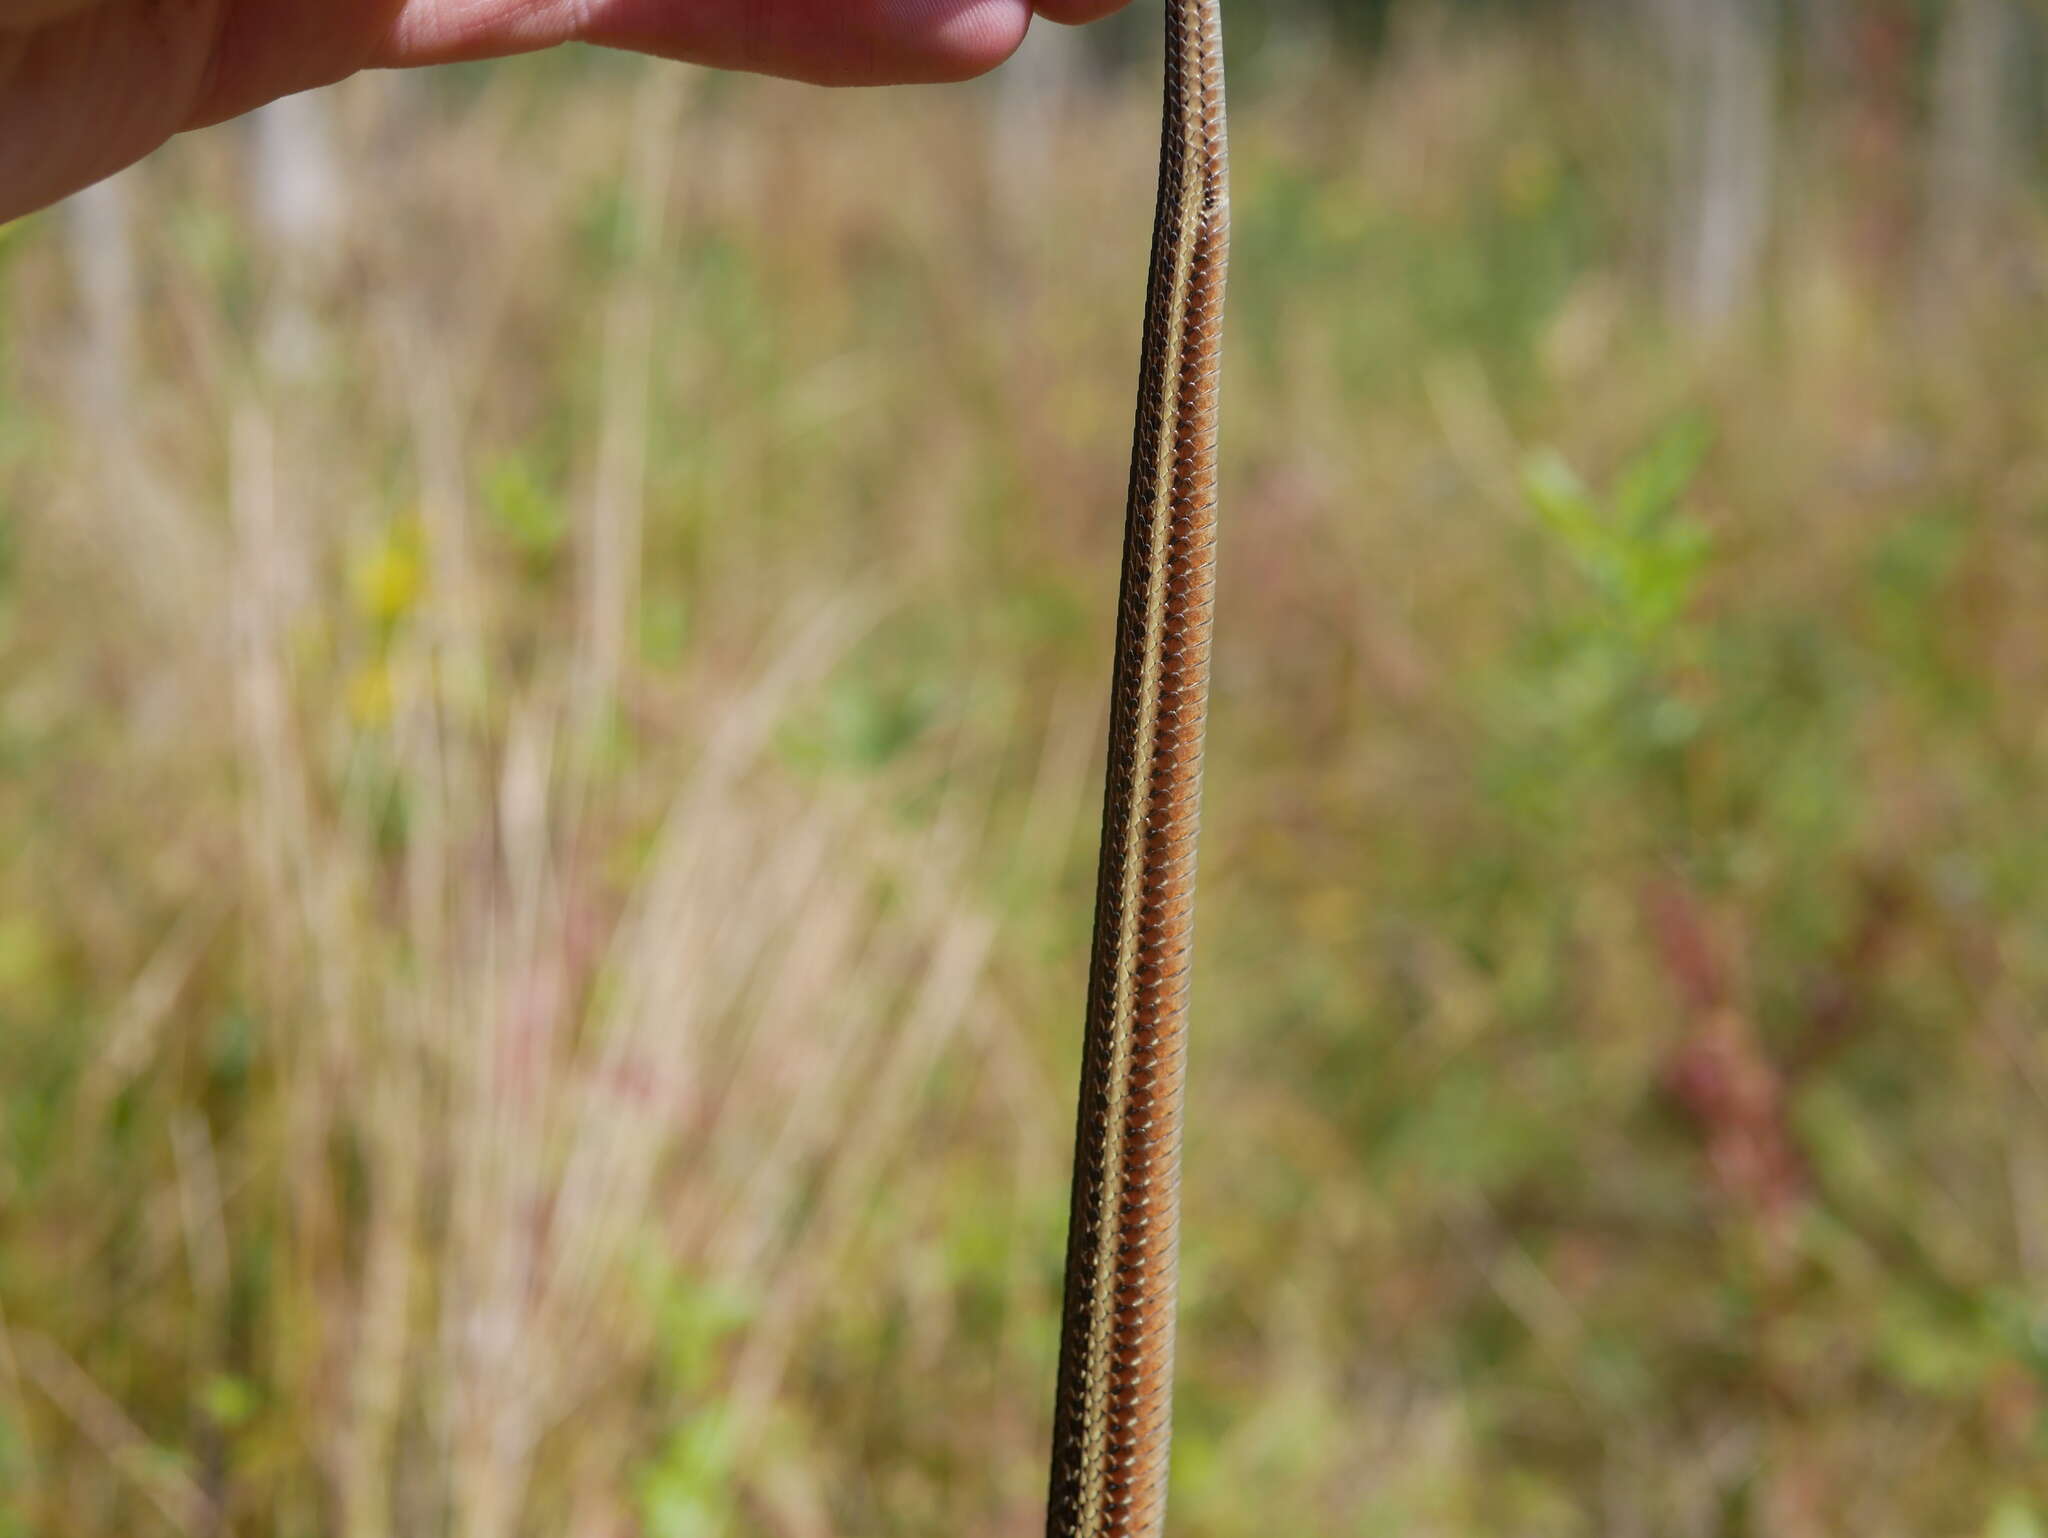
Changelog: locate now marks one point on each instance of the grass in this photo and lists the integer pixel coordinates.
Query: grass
(548, 815)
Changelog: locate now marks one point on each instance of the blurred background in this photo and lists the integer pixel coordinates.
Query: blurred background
(553, 630)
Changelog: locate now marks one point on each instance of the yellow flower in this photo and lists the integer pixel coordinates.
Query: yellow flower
(387, 577)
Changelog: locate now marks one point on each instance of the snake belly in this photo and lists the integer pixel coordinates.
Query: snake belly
(1113, 1406)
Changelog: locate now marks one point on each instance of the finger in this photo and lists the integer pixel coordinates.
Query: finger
(835, 42)
(1074, 13)
(23, 14)
(830, 42)
(85, 94)
(264, 49)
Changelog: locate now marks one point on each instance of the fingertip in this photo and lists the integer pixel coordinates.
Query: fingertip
(899, 42)
(1074, 13)
(959, 39)
(826, 42)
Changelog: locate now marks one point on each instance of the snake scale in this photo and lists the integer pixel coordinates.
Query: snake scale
(1113, 1406)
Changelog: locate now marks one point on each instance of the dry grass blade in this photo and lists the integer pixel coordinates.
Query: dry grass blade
(181, 1504)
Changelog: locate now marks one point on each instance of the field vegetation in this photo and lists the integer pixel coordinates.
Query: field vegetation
(549, 741)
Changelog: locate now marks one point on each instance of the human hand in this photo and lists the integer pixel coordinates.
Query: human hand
(86, 86)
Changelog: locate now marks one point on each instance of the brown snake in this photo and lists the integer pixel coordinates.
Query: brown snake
(1113, 1408)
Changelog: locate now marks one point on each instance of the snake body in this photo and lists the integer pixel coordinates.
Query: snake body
(1112, 1411)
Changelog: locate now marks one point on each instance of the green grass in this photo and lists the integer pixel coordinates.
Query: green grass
(547, 849)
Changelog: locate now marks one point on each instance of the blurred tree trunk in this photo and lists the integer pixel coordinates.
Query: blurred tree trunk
(1885, 46)
(1721, 64)
(1827, 41)
(100, 230)
(1032, 92)
(296, 186)
(110, 277)
(299, 200)
(1973, 146)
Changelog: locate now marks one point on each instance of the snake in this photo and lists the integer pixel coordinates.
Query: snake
(1112, 1407)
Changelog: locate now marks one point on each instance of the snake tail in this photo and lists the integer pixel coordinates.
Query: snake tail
(1112, 1418)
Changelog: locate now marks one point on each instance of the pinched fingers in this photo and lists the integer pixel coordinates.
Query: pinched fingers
(88, 85)
(835, 42)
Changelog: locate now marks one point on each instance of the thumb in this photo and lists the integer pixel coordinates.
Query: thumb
(20, 14)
